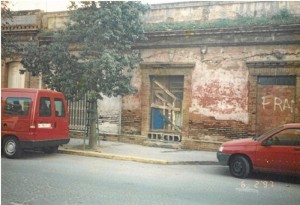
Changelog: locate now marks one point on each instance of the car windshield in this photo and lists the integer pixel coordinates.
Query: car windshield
(258, 137)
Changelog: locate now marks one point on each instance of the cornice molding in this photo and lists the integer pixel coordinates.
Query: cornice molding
(239, 36)
(273, 64)
(161, 65)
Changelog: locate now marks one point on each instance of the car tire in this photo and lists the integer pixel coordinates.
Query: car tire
(11, 148)
(239, 166)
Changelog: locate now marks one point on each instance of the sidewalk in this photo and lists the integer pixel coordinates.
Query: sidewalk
(139, 153)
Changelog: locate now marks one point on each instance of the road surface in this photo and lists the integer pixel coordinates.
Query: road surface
(62, 179)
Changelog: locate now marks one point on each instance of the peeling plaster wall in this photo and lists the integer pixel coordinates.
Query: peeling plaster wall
(133, 102)
(220, 93)
(220, 85)
(131, 108)
(109, 110)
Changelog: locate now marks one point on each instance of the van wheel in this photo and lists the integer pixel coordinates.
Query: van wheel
(50, 150)
(239, 166)
(11, 148)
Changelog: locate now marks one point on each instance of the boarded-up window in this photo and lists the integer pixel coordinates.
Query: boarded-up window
(275, 101)
(166, 103)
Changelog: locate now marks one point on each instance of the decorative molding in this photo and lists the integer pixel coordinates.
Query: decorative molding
(160, 65)
(237, 36)
(273, 64)
(17, 28)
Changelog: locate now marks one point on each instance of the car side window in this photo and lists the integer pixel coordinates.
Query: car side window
(17, 106)
(45, 107)
(288, 137)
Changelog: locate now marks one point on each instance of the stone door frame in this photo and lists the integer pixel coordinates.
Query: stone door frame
(270, 68)
(166, 69)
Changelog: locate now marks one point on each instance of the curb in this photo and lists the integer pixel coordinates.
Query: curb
(132, 158)
(113, 156)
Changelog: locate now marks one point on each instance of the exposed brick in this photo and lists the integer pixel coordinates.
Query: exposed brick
(131, 122)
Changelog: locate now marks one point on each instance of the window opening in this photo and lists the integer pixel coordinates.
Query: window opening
(17, 106)
(45, 107)
(59, 107)
(289, 137)
(166, 103)
(277, 80)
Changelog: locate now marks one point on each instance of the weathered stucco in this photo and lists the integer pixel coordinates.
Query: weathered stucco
(133, 101)
(214, 10)
(219, 84)
(109, 113)
(222, 95)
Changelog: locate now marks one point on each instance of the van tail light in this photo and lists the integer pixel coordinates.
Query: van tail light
(32, 126)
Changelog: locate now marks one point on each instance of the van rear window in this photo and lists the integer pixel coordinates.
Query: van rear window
(17, 106)
(59, 108)
(45, 107)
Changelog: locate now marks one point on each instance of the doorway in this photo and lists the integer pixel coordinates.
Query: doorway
(15, 79)
(275, 101)
(166, 103)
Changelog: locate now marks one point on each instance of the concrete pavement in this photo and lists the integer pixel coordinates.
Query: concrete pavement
(139, 153)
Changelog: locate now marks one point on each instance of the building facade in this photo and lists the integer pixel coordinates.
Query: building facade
(196, 87)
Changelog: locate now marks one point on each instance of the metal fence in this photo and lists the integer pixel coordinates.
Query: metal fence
(78, 114)
(108, 116)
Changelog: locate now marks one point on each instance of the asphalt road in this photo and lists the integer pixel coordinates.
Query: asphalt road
(62, 179)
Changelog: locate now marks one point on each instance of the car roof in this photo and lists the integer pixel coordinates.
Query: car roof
(26, 90)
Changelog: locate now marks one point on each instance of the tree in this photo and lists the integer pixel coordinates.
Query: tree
(9, 45)
(105, 33)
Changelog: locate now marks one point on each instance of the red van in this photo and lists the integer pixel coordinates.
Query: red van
(32, 118)
(278, 150)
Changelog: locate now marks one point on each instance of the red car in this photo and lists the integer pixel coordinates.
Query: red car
(277, 150)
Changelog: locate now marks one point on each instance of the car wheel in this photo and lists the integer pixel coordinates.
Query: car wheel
(11, 148)
(50, 150)
(239, 166)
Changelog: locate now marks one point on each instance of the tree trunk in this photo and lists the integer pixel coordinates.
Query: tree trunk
(93, 121)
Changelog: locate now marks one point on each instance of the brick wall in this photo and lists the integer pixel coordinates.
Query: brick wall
(211, 129)
(131, 122)
(288, 95)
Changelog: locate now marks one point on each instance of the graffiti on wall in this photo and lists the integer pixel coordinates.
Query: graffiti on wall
(278, 104)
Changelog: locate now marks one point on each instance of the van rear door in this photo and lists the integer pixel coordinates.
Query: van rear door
(44, 117)
(52, 116)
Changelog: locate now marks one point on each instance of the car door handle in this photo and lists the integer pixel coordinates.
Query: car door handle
(297, 149)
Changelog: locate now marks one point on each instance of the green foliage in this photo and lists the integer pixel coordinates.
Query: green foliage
(103, 33)
(9, 45)
(59, 69)
(282, 17)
